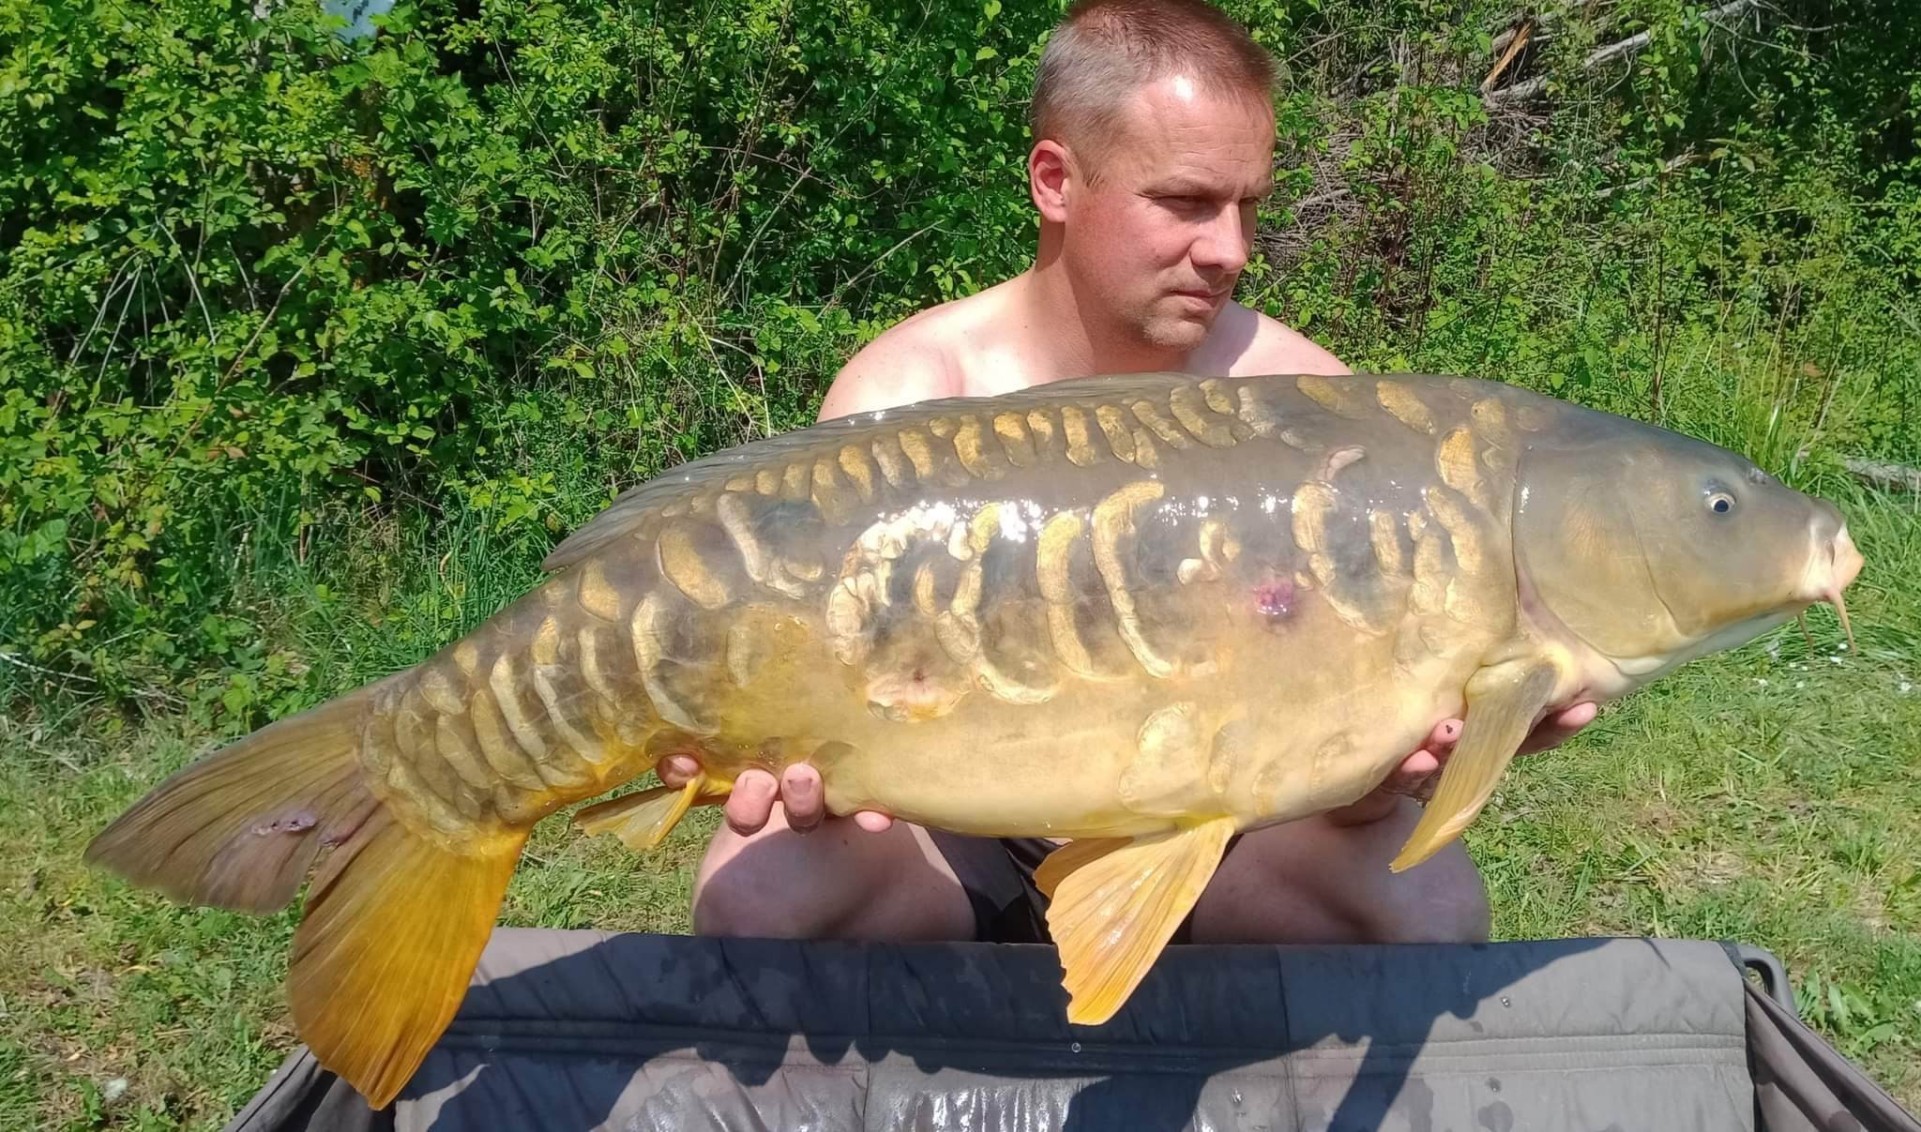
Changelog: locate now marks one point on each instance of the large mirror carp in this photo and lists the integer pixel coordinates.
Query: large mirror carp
(1140, 613)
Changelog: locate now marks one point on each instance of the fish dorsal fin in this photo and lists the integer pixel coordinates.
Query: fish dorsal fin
(645, 499)
(638, 503)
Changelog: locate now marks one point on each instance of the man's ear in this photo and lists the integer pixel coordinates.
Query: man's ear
(1049, 169)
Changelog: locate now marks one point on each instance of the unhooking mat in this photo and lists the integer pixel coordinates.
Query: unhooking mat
(580, 1030)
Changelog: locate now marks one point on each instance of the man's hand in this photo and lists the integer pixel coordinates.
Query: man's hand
(798, 789)
(1418, 773)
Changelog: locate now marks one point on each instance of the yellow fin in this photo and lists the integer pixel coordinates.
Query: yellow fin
(1112, 915)
(1502, 702)
(240, 828)
(643, 820)
(394, 925)
(1072, 856)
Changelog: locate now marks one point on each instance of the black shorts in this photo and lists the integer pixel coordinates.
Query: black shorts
(998, 877)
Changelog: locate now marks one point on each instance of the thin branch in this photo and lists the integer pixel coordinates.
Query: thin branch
(1671, 165)
(1601, 55)
(193, 281)
(100, 316)
(77, 678)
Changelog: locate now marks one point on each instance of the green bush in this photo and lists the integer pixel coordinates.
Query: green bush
(266, 292)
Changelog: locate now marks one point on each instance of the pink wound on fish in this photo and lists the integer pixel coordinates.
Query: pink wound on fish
(299, 821)
(1275, 598)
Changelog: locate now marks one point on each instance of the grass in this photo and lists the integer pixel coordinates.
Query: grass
(175, 1013)
(1770, 795)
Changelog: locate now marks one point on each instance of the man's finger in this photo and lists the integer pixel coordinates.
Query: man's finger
(800, 795)
(1558, 729)
(1441, 740)
(677, 770)
(1414, 770)
(752, 802)
(873, 821)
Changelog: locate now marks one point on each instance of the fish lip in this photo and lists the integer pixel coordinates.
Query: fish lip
(1833, 565)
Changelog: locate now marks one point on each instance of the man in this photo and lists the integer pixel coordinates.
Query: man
(1154, 137)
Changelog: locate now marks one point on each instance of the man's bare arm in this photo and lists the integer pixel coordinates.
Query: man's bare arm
(1281, 349)
(898, 368)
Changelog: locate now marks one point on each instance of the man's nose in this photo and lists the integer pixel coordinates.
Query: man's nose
(1223, 244)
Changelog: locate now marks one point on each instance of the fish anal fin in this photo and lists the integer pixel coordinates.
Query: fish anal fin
(394, 925)
(1111, 916)
(1072, 856)
(1503, 701)
(644, 819)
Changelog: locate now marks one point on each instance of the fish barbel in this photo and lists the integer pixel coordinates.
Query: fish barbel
(1139, 613)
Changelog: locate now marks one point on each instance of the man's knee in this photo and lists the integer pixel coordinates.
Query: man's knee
(1440, 901)
(837, 881)
(1316, 882)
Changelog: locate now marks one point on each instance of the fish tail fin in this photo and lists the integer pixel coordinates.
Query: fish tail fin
(644, 819)
(395, 920)
(394, 926)
(240, 828)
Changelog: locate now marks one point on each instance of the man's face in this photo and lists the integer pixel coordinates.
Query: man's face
(1158, 241)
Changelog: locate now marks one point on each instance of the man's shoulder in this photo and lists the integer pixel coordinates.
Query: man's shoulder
(916, 359)
(1259, 344)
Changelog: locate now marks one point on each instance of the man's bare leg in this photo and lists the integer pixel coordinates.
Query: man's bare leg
(835, 881)
(1320, 881)
(1310, 881)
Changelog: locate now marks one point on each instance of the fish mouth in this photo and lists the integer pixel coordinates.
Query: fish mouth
(1829, 574)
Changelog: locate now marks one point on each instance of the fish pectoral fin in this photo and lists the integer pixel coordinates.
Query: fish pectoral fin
(1072, 856)
(1502, 703)
(644, 819)
(1115, 906)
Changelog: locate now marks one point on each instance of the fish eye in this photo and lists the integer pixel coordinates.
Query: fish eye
(1720, 502)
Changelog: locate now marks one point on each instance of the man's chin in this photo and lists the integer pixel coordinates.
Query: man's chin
(1183, 332)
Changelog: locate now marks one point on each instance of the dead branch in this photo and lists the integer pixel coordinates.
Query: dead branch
(1517, 41)
(1884, 475)
(1600, 56)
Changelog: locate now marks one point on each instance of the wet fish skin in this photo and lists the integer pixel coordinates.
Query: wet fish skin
(1138, 612)
(937, 614)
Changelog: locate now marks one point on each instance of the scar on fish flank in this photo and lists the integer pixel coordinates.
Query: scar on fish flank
(1274, 599)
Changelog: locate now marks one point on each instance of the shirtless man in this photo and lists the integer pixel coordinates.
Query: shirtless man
(1154, 143)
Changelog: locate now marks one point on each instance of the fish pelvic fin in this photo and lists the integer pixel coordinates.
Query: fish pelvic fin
(643, 820)
(394, 926)
(1113, 913)
(240, 828)
(1503, 701)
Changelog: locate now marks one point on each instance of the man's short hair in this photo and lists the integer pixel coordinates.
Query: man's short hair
(1105, 50)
